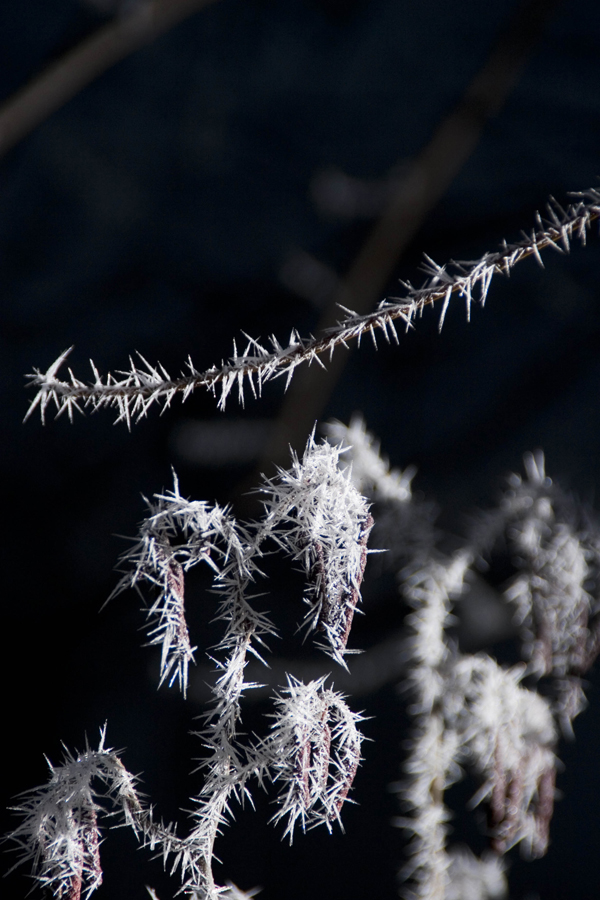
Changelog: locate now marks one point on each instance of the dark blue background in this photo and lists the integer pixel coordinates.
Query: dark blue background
(154, 212)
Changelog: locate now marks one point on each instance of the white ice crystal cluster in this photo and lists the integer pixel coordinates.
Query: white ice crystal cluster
(470, 712)
(314, 748)
(316, 516)
(59, 832)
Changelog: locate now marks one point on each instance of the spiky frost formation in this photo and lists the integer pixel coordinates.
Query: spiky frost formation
(553, 542)
(314, 748)
(60, 833)
(471, 878)
(315, 513)
(470, 713)
(134, 391)
(507, 734)
(177, 535)
(403, 523)
(432, 764)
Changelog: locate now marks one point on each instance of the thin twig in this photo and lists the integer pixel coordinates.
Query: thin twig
(66, 77)
(143, 385)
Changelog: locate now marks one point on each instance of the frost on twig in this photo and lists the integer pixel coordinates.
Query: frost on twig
(312, 752)
(432, 765)
(314, 738)
(134, 391)
(471, 713)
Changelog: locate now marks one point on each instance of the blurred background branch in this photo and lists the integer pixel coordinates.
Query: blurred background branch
(138, 25)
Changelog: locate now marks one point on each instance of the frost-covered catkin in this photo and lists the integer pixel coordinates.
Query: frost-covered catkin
(60, 833)
(315, 514)
(312, 752)
(552, 541)
(177, 535)
(314, 748)
(507, 736)
(470, 713)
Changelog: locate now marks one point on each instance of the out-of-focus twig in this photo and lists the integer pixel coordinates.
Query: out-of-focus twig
(63, 79)
(426, 182)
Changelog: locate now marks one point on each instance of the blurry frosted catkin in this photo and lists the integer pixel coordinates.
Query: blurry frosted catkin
(470, 713)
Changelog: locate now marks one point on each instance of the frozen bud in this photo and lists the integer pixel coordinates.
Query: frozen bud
(316, 514)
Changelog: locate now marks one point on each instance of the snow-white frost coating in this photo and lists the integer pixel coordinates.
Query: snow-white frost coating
(177, 535)
(507, 734)
(134, 391)
(314, 513)
(471, 878)
(59, 832)
(314, 748)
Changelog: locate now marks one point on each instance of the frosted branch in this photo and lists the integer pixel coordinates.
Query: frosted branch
(314, 513)
(134, 391)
